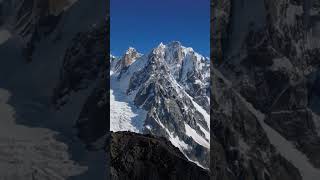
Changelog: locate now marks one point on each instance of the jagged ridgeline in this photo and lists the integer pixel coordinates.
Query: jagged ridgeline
(165, 93)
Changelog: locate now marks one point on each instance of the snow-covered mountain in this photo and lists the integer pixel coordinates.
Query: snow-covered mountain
(165, 93)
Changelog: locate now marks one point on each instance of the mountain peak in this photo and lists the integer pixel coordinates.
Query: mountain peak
(161, 45)
(131, 50)
(159, 49)
(130, 56)
(172, 46)
(175, 44)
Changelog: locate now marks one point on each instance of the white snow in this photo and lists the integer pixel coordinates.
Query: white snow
(121, 115)
(196, 162)
(187, 66)
(181, 92)
(124, 115)
(286, 148)
(148, 127)
(136, 66)
(201, 110)
(206, 133)
(196, 137)
(190, 131)
(198, 81)
(175, 140)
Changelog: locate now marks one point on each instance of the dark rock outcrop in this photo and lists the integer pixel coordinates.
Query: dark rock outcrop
(138, 157)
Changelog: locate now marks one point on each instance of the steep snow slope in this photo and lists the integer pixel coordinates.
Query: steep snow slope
(124, 115)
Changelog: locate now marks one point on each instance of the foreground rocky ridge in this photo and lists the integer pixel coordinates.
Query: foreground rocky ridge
(136, 156)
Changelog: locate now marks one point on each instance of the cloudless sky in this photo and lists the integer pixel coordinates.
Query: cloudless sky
(143, 24)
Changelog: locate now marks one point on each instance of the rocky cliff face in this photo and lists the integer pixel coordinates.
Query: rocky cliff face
(136, 156)
(272, 70)
(126, 60)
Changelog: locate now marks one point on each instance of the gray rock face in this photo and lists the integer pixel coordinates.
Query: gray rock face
(275, 73)
(135, 156)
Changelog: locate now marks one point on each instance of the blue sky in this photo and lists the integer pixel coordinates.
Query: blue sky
(143, 24)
